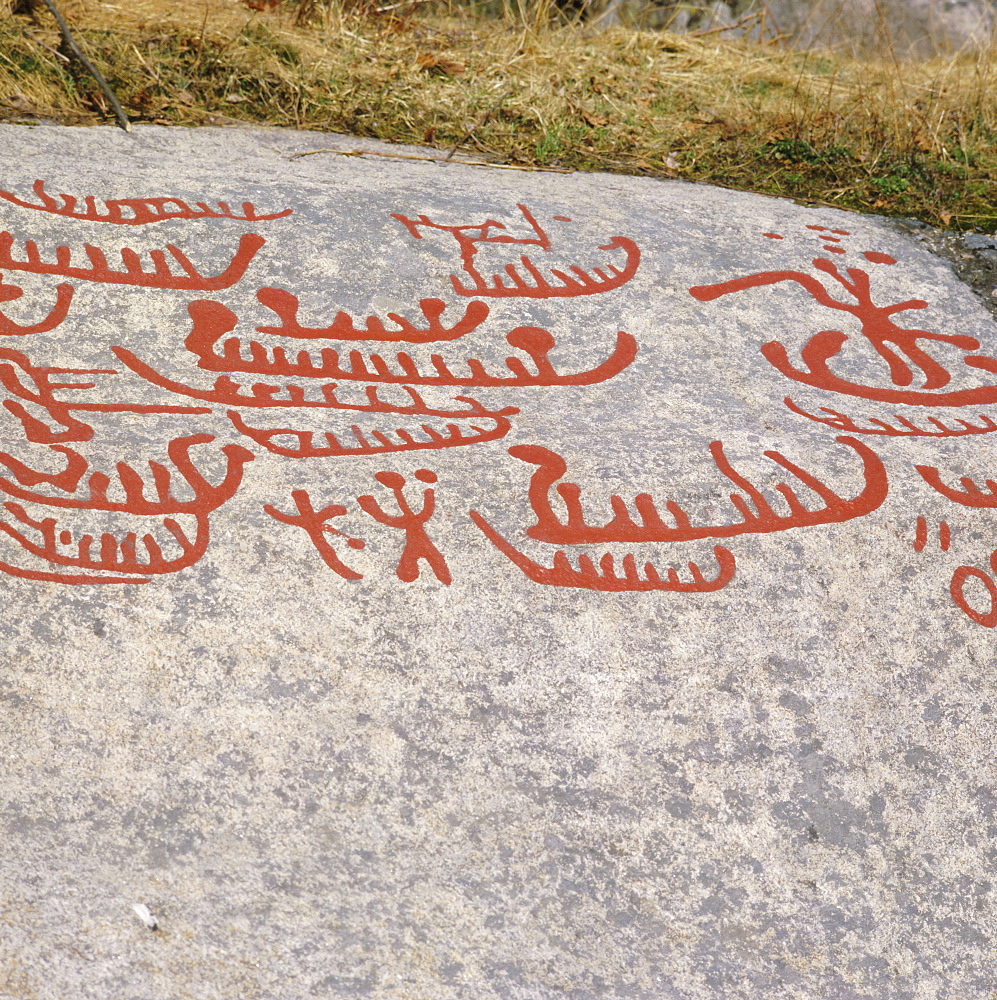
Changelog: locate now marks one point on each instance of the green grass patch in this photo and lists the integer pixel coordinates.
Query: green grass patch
(912, 140)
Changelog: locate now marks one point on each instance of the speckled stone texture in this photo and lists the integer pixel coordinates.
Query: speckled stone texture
(408, 789)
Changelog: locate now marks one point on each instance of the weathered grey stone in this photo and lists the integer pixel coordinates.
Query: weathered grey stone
(979, 241)
(905, 28)
(375, 788)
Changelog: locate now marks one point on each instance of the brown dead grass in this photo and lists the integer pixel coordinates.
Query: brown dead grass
(914, 139)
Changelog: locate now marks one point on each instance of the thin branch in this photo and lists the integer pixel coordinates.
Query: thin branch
(432, 159)
(67, 37)
(49, 48)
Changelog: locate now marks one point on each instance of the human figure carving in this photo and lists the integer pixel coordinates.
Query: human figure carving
(897, 346)
(316, 525)
(418, 544)
(526, 279)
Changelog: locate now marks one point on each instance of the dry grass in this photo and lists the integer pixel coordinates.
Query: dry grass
(910, 139)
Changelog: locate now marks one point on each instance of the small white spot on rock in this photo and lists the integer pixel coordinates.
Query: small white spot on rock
(143, 913)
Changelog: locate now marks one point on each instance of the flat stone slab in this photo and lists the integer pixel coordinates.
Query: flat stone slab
(424, 580)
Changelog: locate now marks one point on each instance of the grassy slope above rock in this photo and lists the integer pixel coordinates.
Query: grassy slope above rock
(904, 139)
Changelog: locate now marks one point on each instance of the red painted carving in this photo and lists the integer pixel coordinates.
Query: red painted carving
(10, 293)
(587, 577)
(957, 588)
(206, 497)
(374, 442)
(261, 395)
(33, 384)
(316, 525)
(344, 327)
(418, 544)
(67, 480)
(877, 326)
(133, 273)
(969, 496)
(842, 422)
(757, 517)
(921, 535)
(116, 556)
(531, 281)
(898, 346)
(135, 211)
(212, 321)
(825, 345)
(370, 442)
(42, 399)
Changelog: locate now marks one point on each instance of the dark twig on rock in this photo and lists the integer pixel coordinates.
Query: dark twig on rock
(67, 37)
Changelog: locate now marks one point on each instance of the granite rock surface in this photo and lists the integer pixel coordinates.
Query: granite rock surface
(425, 582)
